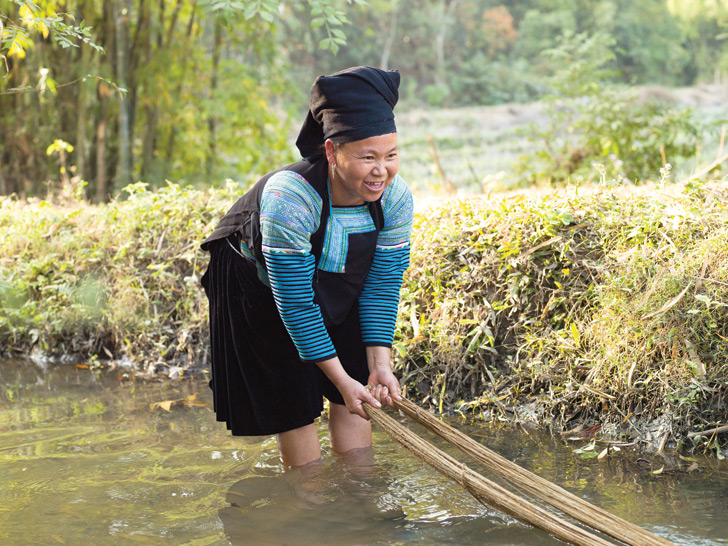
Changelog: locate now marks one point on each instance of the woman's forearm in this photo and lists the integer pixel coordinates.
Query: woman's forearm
(378, 358)
(333, 369)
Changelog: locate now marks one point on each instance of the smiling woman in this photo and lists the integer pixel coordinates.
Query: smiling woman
(305, 273)
(361, 170)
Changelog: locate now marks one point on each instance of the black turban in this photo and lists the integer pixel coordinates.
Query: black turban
(353, 104)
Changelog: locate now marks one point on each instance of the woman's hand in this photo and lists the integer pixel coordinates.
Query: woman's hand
(385, 385)
(353, 392)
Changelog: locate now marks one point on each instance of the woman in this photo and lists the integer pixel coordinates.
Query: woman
(305, 272)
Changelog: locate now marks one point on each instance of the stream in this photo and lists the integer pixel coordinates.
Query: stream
(97, 457)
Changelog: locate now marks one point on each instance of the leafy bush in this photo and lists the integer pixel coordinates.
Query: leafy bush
(108, 280)
(602, 304)
(593, 121)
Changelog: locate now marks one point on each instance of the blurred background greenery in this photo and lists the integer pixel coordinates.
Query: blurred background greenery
(110, 92)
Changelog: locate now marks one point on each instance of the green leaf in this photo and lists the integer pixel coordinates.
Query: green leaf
(575, 333)
(250, 11)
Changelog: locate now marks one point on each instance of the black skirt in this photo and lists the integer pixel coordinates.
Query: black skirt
(260, 385)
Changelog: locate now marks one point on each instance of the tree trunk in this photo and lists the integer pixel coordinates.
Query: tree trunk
(212, 119)
(440, 75)
(82, 117)
(101, 175)
(138, 45)
(172, 133)
(150, 104)
(3, 181)
(391, 34)
(121, 23)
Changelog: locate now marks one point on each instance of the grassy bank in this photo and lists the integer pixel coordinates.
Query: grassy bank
(601, 306)
(109, 281)
(594, 305)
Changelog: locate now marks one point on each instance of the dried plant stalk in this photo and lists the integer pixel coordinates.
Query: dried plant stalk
(576, 507)
(484, 490)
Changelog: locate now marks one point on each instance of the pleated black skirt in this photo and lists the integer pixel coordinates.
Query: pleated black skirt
(260, 385)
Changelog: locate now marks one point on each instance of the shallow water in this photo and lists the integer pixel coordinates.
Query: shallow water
(84, 459)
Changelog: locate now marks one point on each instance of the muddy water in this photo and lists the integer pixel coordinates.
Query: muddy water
(86, 459)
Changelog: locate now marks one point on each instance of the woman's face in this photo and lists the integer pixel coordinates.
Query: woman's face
(362, 169)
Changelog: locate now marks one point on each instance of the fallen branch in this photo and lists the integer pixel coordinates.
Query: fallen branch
(449, 187)
(539, 247)
(702, 172)
(665, 308)
(709, 432)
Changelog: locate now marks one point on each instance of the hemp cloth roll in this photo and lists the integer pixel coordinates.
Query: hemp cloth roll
(260, 385)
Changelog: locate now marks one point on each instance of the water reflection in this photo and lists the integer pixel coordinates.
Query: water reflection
(84, 459)
(362, 500)
(317, 504)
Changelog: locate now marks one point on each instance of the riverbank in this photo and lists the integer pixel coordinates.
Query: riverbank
(600, 308)
(592, 307)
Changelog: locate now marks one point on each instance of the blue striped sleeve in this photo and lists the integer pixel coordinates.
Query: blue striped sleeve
(290, 212)
(379, 298)
(290, 280)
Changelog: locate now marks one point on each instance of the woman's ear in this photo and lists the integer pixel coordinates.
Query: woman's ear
(330, 152)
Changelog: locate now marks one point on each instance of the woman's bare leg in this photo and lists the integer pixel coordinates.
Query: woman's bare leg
(348, 431)
(299, 446)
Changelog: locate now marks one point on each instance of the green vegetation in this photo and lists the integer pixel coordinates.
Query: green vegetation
(594, 121)
(189, 91)
(603, 301)
(201, 91)
(606, 302)
(120, 278)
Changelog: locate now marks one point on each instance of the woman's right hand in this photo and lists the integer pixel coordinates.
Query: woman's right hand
(353, 392)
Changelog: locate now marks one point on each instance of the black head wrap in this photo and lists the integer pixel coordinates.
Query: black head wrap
(353, 104)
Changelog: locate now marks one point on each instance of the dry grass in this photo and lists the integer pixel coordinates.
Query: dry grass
(603, 306)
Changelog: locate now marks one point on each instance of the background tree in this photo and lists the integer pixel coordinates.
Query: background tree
(200, 91)
(196, 91)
